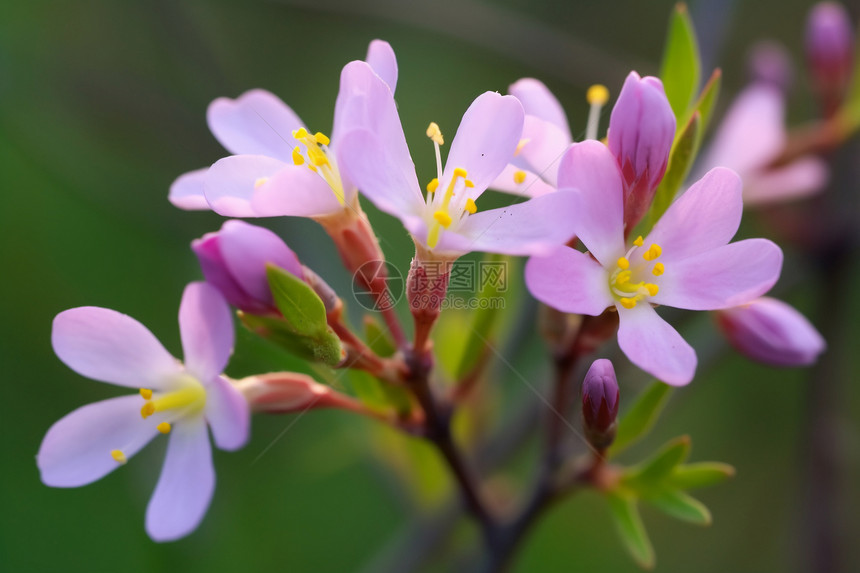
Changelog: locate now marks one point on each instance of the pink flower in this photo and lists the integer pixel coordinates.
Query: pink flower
(175, 399)
(830, 52)
(446, 222)
(685, 262)
(771, 331)
(278, 166)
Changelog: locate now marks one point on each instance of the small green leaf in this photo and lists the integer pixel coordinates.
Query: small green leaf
(650, 473)
(640, 418)
(324, 347)
(630, 528)
(299, 304)
(684, 151)
(681, 65)
(849, 113)
(708, 99)
(702, 474)
(378, 338)
(680, 506)
(377, 394)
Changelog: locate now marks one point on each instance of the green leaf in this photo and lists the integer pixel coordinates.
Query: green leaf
(684, 151)
(650, 473)
(640, 418)
(324, 347)
(702, 474)
(681, 65)
(849, 113)
(680, 506)
(378, 395)
(378, 338)
(630, 528)
(708, 100)
(301, 307)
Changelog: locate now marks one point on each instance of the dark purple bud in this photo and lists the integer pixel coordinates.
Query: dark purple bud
(770, 63)
(829, 52)
(234, 259)
(770, 331)
(641, 130)
(600, 403)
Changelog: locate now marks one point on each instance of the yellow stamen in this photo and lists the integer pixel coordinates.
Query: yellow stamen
(298, 159)
(658, 269)
(260, 182)
(627, 302)
(597, 95)
(147, 410)
(118, 456)
(321, 138)
(468, 183)
(639, 241)
(193, 394)
(312, 168)
(300, 133)
(434, 133)
(146, 393)
(443, 218)
(519, 177)
(433, 185)
(623, 263)
(623, 278)
(652, 253)
(522, 143)
(316, 156)
(652, 289)
(163, 427)
(470, 205)
(460, 172)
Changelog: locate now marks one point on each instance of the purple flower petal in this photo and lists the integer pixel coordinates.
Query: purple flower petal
(216, 273)
(538, 101)
(186, 485)
(297, 191)
(654, 346)
(187, 191)
(803, 177)
(569, 281)
(255, 123)
(531, 186)
(206, 327)
(544, 147)
(726, 276)
(591, 168)
(707, 216)
(228, 414)
(109, 346)
(381, 58)
(77, 449)
(231, 183)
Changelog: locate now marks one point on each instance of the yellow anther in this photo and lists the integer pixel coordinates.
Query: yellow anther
(163, 427)
(652, 253)
(468, 183)
(316, 156)
(627, 302)
(118, 456)
(300, 133)
(312, 168)
(519, 177)
(298, 158)
(597, 95)
(260, 182)
(321, 138)
(658, 269)
(652, 289)
(522, 143)
(639, 241)
(460, 172)
(443, 218)
(146, 393)
(147, 410)
(433, 185)
(623, 263)
(434, 133)
(470, 205)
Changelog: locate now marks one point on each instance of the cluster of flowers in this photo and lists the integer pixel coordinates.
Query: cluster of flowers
(593, 192)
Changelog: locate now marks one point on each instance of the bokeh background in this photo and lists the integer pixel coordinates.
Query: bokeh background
(102, 105)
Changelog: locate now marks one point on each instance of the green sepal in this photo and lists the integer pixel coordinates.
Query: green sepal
(641, 417)
(631, 530)
(325, 347)
(684, 151)
(652, 472)
(301, 307)
(679, 505)
(377, 337)
(681, 66)
(701, 474)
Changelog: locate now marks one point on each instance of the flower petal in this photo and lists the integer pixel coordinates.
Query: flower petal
(569, 281)
(537, 100)
(533, 227)
(231, 182)
(381, 58)
(186, 485)
(544, 147)
(228, 414)
(255, 123)
(77, 449)
(206, 327)
(109, 346)
(531, 186)
(726, 276)
(803, 177)
(299, 192)
(486, 140)
(654, 346)
(591, 168)
(187, 191)
(705, 217)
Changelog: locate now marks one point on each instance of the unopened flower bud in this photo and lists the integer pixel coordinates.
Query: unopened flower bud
(284, 392)
(770, 331)
(234, 260)
(770, 63)
(829, 52)
(600, 403)
(641, 130)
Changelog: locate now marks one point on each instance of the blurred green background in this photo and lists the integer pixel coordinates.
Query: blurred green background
(102, 105)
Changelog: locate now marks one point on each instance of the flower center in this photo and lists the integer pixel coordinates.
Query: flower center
(318, 159)
(630, 282)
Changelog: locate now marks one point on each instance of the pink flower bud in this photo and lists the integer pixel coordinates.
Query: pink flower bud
(771, 331)
(829, 51)
(285, 392)
(234, 260)
(641, 130)
(600, 403)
